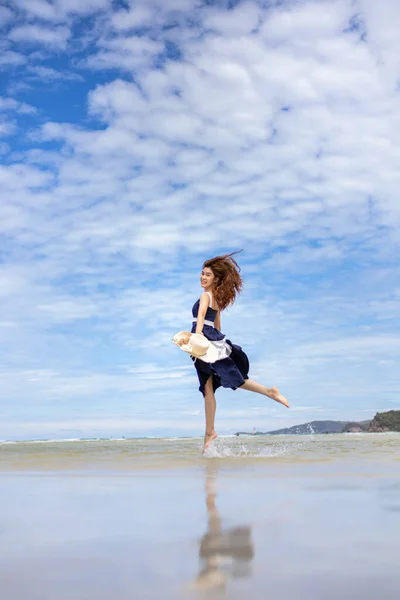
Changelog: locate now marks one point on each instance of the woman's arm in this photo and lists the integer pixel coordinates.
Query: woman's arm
(217, 322)
(204, 303)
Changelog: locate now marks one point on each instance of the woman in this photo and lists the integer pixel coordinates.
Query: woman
(221, 281)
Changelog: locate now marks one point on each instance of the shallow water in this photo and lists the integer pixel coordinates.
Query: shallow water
(295, 518)
(178, 452)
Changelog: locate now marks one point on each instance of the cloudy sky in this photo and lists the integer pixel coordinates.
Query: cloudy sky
(138, 138)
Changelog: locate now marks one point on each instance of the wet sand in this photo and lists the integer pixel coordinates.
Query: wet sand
(215, 528)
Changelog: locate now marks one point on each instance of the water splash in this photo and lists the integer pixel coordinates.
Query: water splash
(230, 448)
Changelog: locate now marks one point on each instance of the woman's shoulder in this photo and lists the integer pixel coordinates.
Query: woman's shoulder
(208, 296)
(205, 295)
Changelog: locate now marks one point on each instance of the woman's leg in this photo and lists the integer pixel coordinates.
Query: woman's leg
(273, 393)
(210, 407)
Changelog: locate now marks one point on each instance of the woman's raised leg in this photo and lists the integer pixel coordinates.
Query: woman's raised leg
(210, 407)
(273, 393)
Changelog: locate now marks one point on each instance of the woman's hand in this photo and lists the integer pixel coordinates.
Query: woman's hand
(184, 340)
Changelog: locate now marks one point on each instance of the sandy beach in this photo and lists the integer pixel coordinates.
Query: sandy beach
(317, 517)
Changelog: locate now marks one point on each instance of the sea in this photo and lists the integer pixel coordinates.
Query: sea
(294, 517)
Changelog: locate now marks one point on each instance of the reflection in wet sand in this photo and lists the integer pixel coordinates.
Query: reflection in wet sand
(223, 553)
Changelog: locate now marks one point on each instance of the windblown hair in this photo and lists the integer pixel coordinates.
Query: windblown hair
(228, 282)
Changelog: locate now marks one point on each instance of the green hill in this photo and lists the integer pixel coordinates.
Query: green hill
(386, 421)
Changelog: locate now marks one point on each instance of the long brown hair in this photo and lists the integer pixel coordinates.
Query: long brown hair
(228, 282)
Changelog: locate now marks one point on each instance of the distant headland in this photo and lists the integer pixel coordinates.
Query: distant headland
(382, 422)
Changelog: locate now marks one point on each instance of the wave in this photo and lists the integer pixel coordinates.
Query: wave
(66, 440)
(232, 440)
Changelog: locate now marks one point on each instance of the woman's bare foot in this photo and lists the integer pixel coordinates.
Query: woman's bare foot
(275, 394)
(208, 438)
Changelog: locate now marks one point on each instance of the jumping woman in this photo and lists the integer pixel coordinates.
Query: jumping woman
(218, 362)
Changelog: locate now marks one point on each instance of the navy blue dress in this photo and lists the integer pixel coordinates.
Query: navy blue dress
(232, 368)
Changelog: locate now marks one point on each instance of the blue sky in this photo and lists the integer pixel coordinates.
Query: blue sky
(138, 139)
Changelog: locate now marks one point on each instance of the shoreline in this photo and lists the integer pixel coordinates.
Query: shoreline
(189, 437)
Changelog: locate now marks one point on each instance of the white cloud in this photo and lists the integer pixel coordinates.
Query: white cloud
(9, 58)
(42, 9)
(7, 127)
(380, 24)
(115, 99)
(60, 9)
(9, 104)
(241, 21)
(136, 17)
(22, 177)
(37, 34)
(48, 73)
(82, 7)
(125, 54)
(305, 22)
(66, 310)
(44, 383)
(353, 348)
